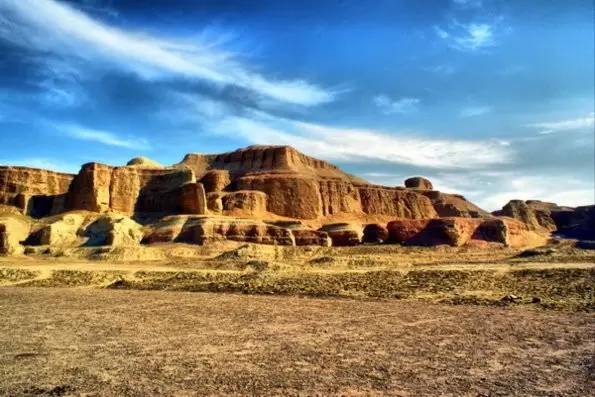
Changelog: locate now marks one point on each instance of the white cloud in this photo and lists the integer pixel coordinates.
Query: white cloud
(468, 37)
(577, 124)
(491, 190)
(54, 27)
(357, 145)
(473, 111)
(103, 137)
(401, 105)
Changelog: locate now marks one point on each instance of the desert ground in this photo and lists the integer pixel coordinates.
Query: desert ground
(243, 319)
(91, 342)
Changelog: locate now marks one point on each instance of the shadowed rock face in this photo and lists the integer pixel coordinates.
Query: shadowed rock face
(36, 192)
(419, 182)
(462, 231)
(131, 190)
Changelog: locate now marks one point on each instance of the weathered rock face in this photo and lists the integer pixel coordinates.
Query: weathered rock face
(215, 202)
(454, 205)
(216, 180)
(419, 182)
(374, 233)
(405, 230)
(578, 223)
(113, 230)
(396, 202)
(245, 203)
(535, 215)
(294, 186)
(258, 182)
(291, 196)
(36, 192)
(301, 187)
(129, 190)
(13, 231)
(311, 237)
(463, 231)
(343, 234)
(205, 230)
(64, 231)
(192, 198)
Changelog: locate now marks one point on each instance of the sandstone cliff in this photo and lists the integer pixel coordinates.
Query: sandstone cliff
(263, 194)
(36, 192)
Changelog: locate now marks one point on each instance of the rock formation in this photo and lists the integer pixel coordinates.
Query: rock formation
(463, 231)
(260, 194)
(36, 192)
(578, 223)
(419, 182)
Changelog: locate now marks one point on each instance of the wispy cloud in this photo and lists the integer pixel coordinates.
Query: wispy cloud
(401, 105)
(468, 36)
(103, 137)
(358, 145)
(473, 111)
(577, 124)
(56, 28)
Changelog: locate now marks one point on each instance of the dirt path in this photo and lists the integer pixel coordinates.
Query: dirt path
(57, 341)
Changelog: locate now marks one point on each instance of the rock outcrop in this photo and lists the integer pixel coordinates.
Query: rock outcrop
(249, 203)
(114, 230)
(343, 234)
(63, 231)
(260, 194)
(535, 215)
(34, 191)
(143, 162)
(463, 231)
(449, 205)
(205, 230)
(374, 233)
(578, 223)
(131, 190)
(419, 182)
(13, 231)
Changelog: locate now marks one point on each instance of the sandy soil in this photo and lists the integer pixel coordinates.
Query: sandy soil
(93, 342)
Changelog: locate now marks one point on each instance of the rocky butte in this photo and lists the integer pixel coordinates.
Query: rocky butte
(259, 194)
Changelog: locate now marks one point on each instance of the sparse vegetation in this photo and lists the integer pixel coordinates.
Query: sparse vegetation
(456, 276)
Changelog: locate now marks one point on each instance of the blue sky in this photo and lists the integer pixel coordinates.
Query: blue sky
(492, 99)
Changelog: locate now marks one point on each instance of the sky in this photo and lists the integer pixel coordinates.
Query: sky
(489, 98)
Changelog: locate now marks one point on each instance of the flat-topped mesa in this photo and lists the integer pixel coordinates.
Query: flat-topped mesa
(263, 159)
(34, 191)
(300, 186)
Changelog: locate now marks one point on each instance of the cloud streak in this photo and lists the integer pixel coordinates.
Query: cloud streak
(48, 25)
(468, 37)
(551, 127)
(103, 137)
(362, 145)
(401, 105)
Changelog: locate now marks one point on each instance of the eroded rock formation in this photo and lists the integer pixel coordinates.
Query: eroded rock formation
(260, 194)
